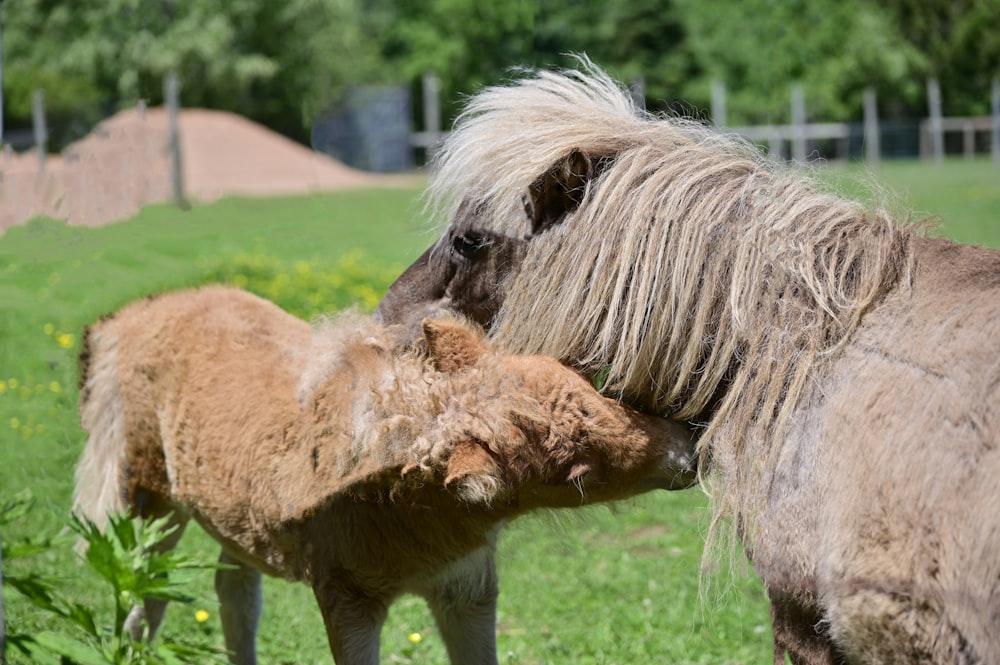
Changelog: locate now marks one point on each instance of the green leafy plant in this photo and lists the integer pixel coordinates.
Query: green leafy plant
(124, 556)
(307, 288)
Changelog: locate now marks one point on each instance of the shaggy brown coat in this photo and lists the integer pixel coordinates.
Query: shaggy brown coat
(338, 460)
(846, 370)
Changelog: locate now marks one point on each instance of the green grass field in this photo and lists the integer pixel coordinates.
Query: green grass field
(604, 585)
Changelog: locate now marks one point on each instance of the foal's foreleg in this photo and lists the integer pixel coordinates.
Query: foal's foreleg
(238, 587)
(353, 617)
(463, 601)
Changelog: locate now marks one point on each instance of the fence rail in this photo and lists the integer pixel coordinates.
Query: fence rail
(796, 136)
(967, 127)
(927, 138)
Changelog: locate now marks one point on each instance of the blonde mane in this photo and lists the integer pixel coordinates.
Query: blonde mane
(705, 281)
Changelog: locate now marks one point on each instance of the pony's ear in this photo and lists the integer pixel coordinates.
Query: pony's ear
(473, 473)
(559, 191)
(452, 345)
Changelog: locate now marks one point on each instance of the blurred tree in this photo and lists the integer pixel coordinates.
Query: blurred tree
(467, 43)
(650, 40)
(282, 63)
(31, 62)
(561, 27)
(274, 62)
(961, 43)
(642, 39)
(758, 48)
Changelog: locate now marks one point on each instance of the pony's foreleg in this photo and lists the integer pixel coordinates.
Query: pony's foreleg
(150, 613)
(463, 601)
(799, 631)
(238, 587)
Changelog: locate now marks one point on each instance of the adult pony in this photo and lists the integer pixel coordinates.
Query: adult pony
(464, 270)
(845, 369)
(340, 460)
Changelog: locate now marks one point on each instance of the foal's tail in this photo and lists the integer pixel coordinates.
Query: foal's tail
(100, 472)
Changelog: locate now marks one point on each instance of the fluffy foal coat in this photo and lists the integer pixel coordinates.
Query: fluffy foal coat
(846, 369)
(338, 459)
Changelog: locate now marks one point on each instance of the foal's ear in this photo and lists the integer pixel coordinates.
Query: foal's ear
(473, 473)
(559, 191)
(453, 345)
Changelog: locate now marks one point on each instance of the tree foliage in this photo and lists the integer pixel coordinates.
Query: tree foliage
(282, 63)
(275, 62)
(961, 45)
(758, 48)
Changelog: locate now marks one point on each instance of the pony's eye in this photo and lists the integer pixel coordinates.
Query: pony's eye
(468, 245)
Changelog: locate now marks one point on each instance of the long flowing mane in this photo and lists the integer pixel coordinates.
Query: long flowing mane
(702, 279)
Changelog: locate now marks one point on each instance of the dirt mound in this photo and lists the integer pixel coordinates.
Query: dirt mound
(124, 164)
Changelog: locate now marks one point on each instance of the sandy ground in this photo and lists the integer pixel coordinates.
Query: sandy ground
(124, 164)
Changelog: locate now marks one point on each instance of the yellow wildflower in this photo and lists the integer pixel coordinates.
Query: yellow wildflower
(65, 340)
(201, 616)
(415, 638)
(15, 423)
(3, 387)
(55, 387)
(48, 328)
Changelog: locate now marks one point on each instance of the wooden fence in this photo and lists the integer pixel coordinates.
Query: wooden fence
(795, 140)
(792, 140)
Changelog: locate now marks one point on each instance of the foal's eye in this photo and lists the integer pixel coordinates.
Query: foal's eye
(468, 245)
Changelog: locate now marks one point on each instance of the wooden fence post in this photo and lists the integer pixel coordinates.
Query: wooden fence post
(873, 149)
(38, 124)
(798, 123)
(431, 88)
(936, 128)
(1, 72)
(995, 134)
(775, 144)
(171, 95)
(638, 91)
(718, 103)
